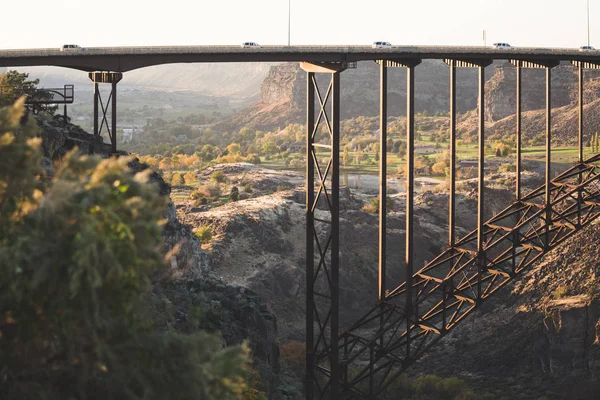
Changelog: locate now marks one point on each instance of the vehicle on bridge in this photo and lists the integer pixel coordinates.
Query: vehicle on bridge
(587, 47)
(250, 44)
(502, 45)
(70, 47)
(378, 45)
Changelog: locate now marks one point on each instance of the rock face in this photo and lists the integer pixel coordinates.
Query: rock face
(283, 93)
(260, 242)
(59, 137)
(500, 94)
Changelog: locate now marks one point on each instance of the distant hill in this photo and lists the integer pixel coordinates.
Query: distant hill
(238, 80)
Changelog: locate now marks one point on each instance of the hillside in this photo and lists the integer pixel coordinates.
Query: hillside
(540, 335)
(224, 80)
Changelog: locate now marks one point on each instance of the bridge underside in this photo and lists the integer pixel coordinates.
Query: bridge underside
(407, 320)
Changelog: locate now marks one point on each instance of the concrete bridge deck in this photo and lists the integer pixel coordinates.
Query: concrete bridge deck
(123, 59)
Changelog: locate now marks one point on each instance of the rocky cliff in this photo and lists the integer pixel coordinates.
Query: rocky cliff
(500, 94)
(283, 93)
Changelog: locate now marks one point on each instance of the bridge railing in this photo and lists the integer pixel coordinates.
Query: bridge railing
(64, 95)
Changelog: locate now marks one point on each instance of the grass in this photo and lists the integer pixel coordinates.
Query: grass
(562, 157)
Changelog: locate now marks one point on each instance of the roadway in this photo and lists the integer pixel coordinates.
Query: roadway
(123, 59)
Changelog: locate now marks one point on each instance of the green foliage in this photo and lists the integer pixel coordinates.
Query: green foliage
(204, 234)
(14, 84)
(218, 176)
(177, 180)
(373, 206)
(234, 195)
(560, 292)
(75, 255)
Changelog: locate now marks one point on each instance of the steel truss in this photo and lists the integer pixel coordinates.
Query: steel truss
(452, 285)
(410, 318)
(113, 78)
(322, 230)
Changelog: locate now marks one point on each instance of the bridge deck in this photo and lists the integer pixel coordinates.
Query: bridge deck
(122, 59)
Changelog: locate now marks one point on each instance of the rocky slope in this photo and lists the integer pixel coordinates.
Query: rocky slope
(283, 93)
(260, 242)
(187, 296)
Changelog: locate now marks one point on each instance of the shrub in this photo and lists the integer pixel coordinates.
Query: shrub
(177, 180)
(253, 159)
(211, 189)
(560, 292)
(373, 206)
(218, 176)
(75, 255)
(204, 234)
(234, 195)
(248, 188)
(294, 352)
(189, 177)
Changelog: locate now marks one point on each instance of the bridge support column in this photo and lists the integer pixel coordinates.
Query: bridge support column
(323, 367)
(548, 197)
(113, 78)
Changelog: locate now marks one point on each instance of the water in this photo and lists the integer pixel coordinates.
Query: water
(370, 183)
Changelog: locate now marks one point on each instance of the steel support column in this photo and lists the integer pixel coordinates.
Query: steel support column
(481, 182)
(410, 186)
(516, 233)
(113, 78)
(547, 197)
(580, 107)
(323, 233)
(451, 196)
(382, 180)
(310, 233)
(580, 136)
(96, 98)
(519, 137)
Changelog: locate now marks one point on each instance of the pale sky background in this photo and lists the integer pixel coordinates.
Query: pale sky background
(89, 23)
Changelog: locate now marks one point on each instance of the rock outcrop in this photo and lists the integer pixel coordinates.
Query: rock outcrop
(500, 94)
(283, 93)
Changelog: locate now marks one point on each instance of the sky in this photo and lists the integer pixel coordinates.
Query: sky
(537, 23)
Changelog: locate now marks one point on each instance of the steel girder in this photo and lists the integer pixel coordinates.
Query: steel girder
(322, 231)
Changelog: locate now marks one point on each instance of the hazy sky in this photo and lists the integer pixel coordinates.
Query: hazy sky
(51, 23)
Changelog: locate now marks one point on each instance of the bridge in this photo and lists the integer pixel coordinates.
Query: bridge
(405, 320)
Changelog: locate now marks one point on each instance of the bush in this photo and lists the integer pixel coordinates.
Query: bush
(218, 176)
(234, 195)
(560, 292)
(177, 180)
(373, 206)
(211, 189)
(75, 255)
(189, 178)
(248, 188)
(204, 234)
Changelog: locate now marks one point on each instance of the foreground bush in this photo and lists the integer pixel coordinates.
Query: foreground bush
(75, 254)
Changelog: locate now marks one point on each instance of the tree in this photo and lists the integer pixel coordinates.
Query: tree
(270, 148)
(14, 84)
(345, 156)
(75, 297)
(234, 149)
